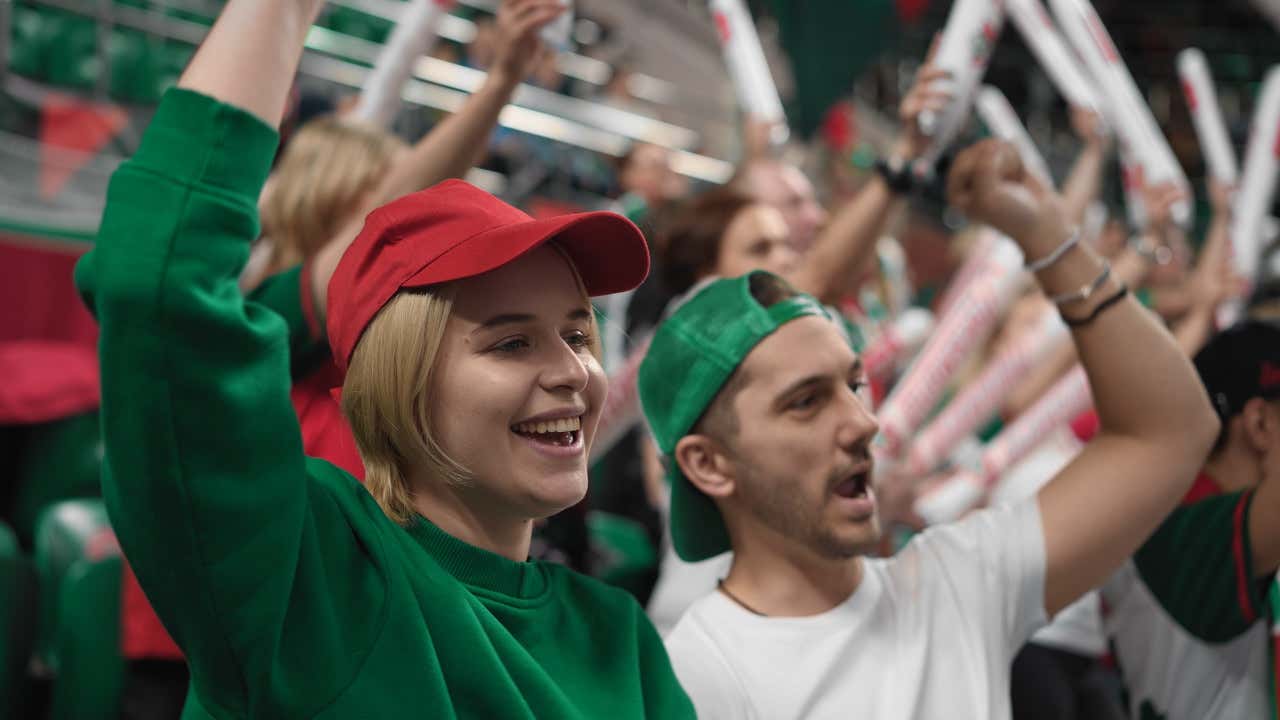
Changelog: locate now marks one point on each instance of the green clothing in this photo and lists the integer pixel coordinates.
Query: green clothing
(1186, 616)
(290, 591)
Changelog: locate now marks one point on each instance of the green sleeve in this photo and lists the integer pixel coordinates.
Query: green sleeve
(663, 695)
(1199, 566)
(288, 294)
(238, 546)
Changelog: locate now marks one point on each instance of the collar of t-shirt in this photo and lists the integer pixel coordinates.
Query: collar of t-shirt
(847, 615)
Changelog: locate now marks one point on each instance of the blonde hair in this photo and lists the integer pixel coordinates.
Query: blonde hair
(386, 400)
(325, 169)
(386, 394)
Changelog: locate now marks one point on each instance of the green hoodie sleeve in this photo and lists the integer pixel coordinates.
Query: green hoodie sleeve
(204, 474)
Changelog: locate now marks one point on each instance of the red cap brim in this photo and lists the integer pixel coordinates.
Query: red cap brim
(608, 251)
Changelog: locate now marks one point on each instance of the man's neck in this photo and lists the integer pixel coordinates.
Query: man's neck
(1234, 469)
(781, 580)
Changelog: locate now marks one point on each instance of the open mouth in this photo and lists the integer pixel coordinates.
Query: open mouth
(560, 433)
(854, 486)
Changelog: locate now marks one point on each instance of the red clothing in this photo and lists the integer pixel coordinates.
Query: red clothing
(325, 435)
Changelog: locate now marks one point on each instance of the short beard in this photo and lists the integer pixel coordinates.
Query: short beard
(781, 507)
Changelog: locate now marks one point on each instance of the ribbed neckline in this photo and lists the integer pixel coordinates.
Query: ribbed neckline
(479, 568)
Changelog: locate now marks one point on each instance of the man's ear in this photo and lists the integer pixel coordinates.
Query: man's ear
(706, 464)
(1257, 422)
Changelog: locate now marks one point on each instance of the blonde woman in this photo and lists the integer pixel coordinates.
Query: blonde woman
(473, 391)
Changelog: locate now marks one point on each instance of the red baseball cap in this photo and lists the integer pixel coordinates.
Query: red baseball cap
(455, 230)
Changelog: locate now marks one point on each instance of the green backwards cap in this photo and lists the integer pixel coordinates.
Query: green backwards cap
(692, 356)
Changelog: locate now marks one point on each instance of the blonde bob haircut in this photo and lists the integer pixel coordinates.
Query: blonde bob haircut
(325, 170)
(387, 398)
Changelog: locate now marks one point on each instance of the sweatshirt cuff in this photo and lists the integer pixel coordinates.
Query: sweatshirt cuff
(196, 139)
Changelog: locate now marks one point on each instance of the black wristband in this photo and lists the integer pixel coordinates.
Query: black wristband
(1093, 314)
(900, 181)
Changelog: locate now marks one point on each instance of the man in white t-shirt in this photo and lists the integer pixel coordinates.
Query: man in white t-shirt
(755, 398)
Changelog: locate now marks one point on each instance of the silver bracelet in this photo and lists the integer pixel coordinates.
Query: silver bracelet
(1086, 291)
(1072, 240)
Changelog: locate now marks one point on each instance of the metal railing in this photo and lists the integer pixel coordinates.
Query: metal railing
(337, 58)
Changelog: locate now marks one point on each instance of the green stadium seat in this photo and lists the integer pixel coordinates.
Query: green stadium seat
(26, 48)
(60, 460)
(626, 555)
(69, 44)
(91, 669)
(135, 67)
(17, 625)
(357, 24)
(69, 532)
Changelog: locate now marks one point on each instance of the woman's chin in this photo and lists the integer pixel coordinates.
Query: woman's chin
(550, 495)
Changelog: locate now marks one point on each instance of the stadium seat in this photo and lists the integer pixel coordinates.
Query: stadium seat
(60, 460)
(17, 624)
(70, 532)
(90, 674)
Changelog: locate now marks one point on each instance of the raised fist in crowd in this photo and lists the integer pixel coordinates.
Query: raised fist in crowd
(989, 183)
(517, 47)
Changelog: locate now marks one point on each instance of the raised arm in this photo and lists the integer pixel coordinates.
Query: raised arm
(843, 247)
(1085, 181)
(1156, 423)
(460, 140)
(204, 474)
(250, 56)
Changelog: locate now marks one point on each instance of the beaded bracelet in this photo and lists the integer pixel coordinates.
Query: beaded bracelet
(1093, 315)
(1072, 240)
(1085, 292)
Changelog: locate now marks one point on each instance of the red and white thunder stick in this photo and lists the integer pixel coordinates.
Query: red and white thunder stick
(1058, 61)
(966, 490)
(1126, 110)
(995, 110)
(1258, 180)
(969, 38)
(966, 324)
(621, 409)
(1206, 115)
(748, 68)
(1068, 397)
(974, 265)
(899, 339)
(415, 34)
(981, 398)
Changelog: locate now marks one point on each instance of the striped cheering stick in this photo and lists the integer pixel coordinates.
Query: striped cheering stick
(964, 50)
(968, 489)
(982, 397)
(748, 68)
(1126, 110)
(415, 34)
(1257, 181)
(966, 323)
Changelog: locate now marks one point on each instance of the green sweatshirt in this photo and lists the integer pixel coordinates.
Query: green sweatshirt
(289, 590)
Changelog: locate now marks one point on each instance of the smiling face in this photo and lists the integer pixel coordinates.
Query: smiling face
(799, 460)
(517, 391)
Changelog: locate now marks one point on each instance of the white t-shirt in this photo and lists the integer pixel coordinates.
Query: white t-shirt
(929, 633)
(1077, 628)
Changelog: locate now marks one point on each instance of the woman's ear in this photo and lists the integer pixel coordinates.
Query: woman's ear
(704, 462)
